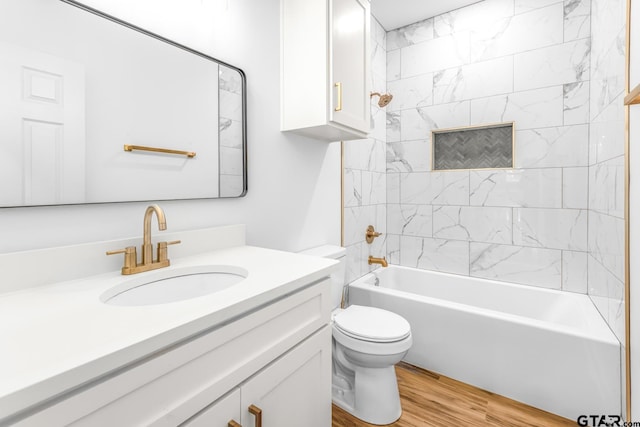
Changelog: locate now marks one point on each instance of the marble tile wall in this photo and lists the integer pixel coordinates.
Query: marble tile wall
(494, 61)
(553, 67)
(365, 178)
(606, 162)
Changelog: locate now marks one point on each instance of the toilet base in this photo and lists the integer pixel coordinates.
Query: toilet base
(374, 399)
(364, 381)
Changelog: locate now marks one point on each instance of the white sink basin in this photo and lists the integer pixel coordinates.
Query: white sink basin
(173, 285)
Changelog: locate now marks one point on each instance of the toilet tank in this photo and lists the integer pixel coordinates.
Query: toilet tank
(338, 278)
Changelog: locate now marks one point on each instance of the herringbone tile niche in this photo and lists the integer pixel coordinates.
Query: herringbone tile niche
(482, 147)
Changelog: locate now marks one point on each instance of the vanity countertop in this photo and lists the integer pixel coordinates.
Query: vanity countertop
(57, 337)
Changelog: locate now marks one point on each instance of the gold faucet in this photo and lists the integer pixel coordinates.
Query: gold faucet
(131, 265)
(147, 249)
(382, 261)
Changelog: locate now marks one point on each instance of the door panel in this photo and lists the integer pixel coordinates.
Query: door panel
(350, 56)
(295, 390)
(42, 122)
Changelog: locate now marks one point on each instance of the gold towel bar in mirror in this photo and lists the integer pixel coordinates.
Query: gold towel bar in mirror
(159, 150)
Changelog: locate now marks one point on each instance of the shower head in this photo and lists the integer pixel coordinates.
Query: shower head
(384, 100)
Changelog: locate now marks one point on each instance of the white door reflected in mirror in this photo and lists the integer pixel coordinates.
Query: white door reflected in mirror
(80, 87)
(43, 115)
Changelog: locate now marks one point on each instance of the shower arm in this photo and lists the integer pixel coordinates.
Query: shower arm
(384, 100)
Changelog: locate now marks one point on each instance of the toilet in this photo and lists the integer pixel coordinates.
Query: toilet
(367, 343)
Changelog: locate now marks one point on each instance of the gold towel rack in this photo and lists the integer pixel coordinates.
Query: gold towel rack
(159, 150)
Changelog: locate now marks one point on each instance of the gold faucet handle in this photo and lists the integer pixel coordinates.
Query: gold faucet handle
(130, 257)
(163, 253)
(371, 234)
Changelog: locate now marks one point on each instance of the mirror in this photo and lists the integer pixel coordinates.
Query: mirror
(80, 88)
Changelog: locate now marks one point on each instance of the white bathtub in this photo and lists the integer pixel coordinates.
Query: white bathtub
(546, 348)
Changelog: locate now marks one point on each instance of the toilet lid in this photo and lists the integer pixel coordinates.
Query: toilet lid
(372, 324)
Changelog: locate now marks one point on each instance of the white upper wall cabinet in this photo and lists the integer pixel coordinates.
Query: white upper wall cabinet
(325, 68)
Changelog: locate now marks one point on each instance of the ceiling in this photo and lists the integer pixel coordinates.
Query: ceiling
(394, 14)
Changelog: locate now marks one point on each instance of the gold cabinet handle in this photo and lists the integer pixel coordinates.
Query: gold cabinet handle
(232, 423)
(339, 86)
(257, 412)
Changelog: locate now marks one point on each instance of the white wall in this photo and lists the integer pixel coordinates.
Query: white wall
(293, 200)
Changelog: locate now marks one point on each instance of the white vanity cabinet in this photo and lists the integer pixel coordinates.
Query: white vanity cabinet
(325, 68)
(276, 357)
(221, 413)
(293, 390)
(289, 392)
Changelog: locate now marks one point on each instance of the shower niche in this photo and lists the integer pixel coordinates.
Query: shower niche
(477, 147)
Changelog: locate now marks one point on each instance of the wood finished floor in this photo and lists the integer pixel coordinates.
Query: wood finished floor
(432, 400)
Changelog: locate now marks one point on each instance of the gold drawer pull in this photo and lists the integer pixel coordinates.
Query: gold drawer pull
(232, 423)
(339, 86)
(257, 412)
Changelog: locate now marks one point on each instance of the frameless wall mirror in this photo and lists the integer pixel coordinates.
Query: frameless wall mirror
(96, 110)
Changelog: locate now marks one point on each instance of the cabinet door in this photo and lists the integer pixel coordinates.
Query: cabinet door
(219, 413)
(295, 390)
(350, 29)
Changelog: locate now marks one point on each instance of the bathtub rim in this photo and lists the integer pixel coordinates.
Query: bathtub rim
(605, 336)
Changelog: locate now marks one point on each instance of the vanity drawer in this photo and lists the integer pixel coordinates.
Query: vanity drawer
(219, 413)
(174, 384)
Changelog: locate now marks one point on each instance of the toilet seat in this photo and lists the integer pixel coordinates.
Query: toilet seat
(371, 324)
(371, 347)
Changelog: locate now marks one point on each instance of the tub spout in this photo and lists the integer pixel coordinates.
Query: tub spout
(382, 261)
